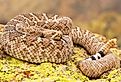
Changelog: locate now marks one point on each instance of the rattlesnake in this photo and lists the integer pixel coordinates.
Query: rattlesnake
(38, 38)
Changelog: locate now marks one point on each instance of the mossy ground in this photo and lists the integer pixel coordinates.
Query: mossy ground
(13, 70)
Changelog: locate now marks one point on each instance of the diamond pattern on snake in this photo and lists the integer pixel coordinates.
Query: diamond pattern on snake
(38, 38)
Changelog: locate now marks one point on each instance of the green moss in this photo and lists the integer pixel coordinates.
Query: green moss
(16, 70)
(12, 69)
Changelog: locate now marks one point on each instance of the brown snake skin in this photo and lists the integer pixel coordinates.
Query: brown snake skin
(95, 68)
(38, 38)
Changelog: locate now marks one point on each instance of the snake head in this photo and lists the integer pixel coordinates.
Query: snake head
(68, 41)
(57, 35)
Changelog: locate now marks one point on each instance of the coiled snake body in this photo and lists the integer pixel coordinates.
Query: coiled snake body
(38, 38)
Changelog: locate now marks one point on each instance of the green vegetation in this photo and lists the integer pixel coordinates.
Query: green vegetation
(15, 70)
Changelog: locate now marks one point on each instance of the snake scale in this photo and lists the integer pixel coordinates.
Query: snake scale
(38, 38)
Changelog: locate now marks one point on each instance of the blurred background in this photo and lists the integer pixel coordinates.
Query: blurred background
(100, 16)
